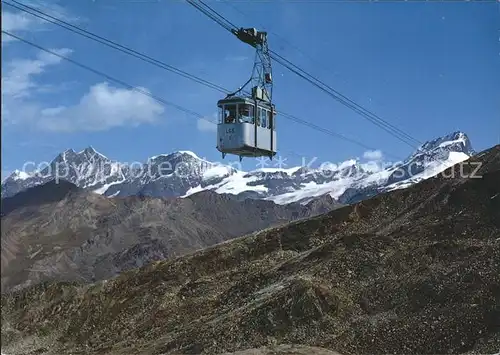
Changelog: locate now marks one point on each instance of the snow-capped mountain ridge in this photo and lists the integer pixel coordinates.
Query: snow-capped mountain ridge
(182, 173)
(456, 141)
(429, 159)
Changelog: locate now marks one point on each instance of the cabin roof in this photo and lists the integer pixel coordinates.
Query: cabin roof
(240, 99)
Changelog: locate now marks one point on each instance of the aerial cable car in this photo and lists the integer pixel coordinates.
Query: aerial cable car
(247, 121)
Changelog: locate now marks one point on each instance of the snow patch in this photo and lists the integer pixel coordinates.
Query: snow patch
(448, 143)
(311, 189)
(347, 164)
(379, 177)
(289, 171)
(217, 171)
(102, 190)
(238, 183)
(177, 153)
(193, 190)
(457, 157)
(188, 152)
(89, 149)
(115, 194)
(20, 175)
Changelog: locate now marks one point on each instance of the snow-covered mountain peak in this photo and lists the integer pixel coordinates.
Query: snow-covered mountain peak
(19, 175)
(86, 156)
(181, 160)
(90, 151)
(457, 142)
(176, 155)
(188, 152)
(430, 159)
(181, 173)
(184, 163)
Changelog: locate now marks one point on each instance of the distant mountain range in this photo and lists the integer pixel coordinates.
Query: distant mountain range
(182, 173)
(58, 231)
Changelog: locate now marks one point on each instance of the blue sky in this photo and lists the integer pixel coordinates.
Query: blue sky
(429, 68)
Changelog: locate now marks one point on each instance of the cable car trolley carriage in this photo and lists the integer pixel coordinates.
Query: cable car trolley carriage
(247, 121)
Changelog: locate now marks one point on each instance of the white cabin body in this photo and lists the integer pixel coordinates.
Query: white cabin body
(246, 127)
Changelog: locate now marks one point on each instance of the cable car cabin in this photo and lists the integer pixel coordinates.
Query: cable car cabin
(246, 128)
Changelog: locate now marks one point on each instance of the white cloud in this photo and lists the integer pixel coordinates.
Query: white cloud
(16, 21)
(20, 21)
(53, 9)
(206, 126)
(373, 155)
(18, 80)
(19, 85)
(102, 108)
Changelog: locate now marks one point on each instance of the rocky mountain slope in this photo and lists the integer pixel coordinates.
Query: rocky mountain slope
(410, 271)
(180, 174)
(59, 231)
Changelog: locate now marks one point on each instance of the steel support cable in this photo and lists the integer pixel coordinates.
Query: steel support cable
(127, 50)
(78, 30)
(311, 125)
(219, 18)
(143, 92)
(230, 27)
(324, 130)
(110, 78)
(297, 49)
(213, 15)
(391, 129)
(153, 61)
(298, 120)
(348, 102)
(354, 108)
(230, 24)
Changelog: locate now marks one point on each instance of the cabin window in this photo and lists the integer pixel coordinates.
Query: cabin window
(271, 120)
(229, 113)
(259, 114)
(251, 112)
(220, 116)
(262, 117)
(245, 113)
